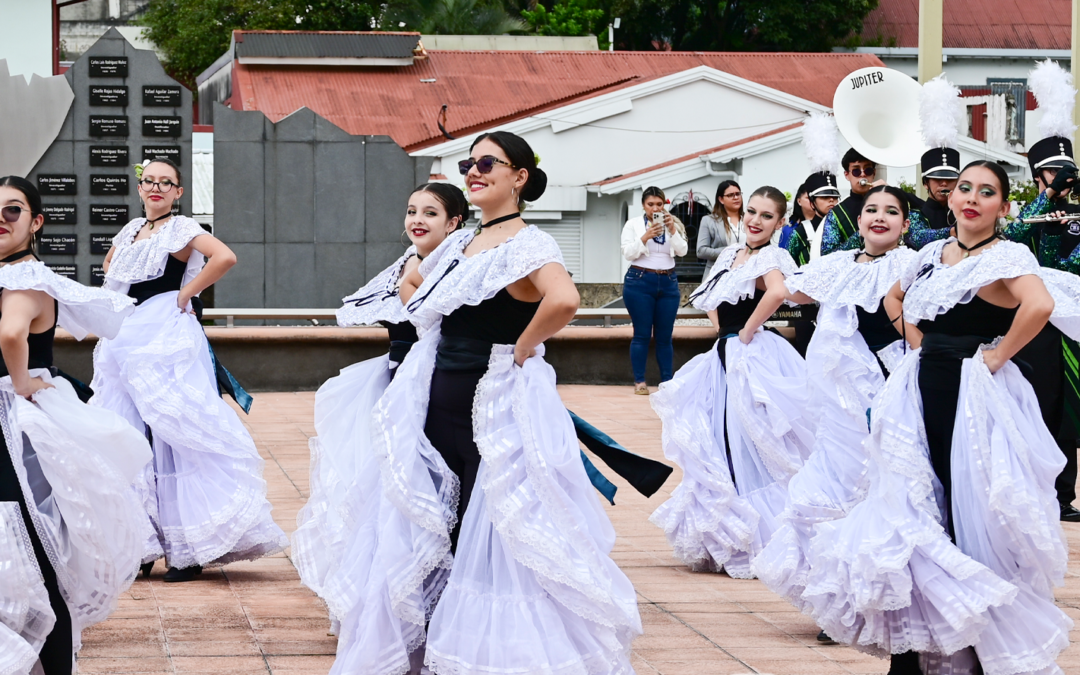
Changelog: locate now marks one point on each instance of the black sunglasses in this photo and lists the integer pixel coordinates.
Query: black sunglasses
(11, 214)
(859, 173)
(484, 165)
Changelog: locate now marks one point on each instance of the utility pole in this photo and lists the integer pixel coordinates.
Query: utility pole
(931, 17)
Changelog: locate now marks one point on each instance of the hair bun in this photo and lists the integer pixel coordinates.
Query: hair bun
(535, 185)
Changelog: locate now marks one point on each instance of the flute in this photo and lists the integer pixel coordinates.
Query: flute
(1048, 218)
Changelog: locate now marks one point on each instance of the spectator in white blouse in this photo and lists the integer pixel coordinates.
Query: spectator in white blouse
(651, 289)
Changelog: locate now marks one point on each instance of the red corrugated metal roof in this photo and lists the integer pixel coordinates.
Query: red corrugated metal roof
(976, 24)
(482, 89)
(707, 151)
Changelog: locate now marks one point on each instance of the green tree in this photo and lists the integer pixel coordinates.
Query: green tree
(738, 25)
(452, 17)
(567, 17)
(194, 33)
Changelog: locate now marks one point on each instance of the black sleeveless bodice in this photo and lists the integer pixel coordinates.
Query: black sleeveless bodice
(40, 346)
(733, 318)
(172, 279)
(469, 331)
(876, 328)
(402, 337)
(977, 318)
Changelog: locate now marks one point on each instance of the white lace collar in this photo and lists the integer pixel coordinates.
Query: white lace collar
(83, 309)
(933, 288)
(837, 280)
(377, 300)
(729, 286)
(451, 279)
(137, 261)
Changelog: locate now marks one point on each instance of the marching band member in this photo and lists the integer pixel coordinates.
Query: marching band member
(949, 563)
(939, 112)
(802, 237)
(840, 230)
(735, 418)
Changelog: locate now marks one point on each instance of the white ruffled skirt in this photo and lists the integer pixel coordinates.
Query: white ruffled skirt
(76, 466)
(728, 504)
(887, 579)
(843, 377)
(532, 589)
(206, 483)
(344, 479)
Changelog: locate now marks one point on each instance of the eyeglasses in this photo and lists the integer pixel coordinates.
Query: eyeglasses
(163, 185)
(731, 194)
(859, 173)
(11, 214)
(484, 165)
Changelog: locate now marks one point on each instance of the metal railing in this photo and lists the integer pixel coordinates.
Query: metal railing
(327, 316)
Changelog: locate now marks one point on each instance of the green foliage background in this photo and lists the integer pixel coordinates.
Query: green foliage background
(194, 33)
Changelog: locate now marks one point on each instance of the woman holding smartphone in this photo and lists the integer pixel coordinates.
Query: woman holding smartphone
(651, 287)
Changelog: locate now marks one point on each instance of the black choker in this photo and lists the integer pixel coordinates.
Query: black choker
(500, 219)
(755, 250)
(968, 249)
(871, 255)
(153, 221)
(17, 255)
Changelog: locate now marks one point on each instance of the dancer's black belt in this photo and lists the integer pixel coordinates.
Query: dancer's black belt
(462, 354)
(399, 349)
(945, 347)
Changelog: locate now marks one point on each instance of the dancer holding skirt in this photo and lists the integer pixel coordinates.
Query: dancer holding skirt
(206, 493)
(844, 374)
(486, 550)
(735, 418)
(949, 564)
(71, 529)
(344, 469)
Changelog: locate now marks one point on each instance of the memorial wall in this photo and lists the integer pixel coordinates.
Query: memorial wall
(126, 109)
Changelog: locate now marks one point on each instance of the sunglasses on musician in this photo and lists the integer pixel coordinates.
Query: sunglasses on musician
(484, 165)
(859, 173)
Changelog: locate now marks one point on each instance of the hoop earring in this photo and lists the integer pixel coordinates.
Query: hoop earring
(512, 192)
(406, 243)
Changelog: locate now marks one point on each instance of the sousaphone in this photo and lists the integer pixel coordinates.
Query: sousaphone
(877, 112)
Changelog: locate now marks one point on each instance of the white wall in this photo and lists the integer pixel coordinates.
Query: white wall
(27, 43)
(602, 230)
(963, 71)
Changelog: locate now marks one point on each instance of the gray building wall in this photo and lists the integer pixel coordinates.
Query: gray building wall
(311, 211)
(70, 152)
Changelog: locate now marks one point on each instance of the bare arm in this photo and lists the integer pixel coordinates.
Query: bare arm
(18, 309)
(1036, 305)
(108, 259)
(220, 260)
(775, 294)
(894, 307)
(410, 281)
(557, 308)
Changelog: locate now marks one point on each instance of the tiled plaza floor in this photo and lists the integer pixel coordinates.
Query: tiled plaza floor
(257, 618)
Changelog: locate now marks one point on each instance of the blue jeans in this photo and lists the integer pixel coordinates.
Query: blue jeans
(652, 301)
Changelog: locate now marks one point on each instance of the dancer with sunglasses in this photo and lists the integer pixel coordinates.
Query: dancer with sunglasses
(207, 494)
(735, 418)
(950, 562)
(840, 228)
(71, 529)
(844, 372)
(490, 552)
(344, 469)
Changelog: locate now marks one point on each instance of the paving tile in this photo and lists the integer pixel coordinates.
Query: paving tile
(256, 617)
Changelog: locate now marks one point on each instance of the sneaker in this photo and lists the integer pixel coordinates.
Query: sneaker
(1069, 514)
(641, 389)
(187, 574)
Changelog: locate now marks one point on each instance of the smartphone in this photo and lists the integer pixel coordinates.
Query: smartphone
(658, 218)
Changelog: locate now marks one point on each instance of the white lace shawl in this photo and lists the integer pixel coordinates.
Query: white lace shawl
(137, 261)
(934, 288)
(837, 280)
(377, 300)
(451, 279)
(726, 285)
(82, 309)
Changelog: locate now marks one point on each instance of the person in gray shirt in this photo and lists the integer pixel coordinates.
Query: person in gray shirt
(722, 228)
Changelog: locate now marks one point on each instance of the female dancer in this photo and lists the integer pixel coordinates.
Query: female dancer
(486, 551)
(207, 495)
(844, 374)
(71, 530)
(735, 418)
(344, 472)
(958, 542)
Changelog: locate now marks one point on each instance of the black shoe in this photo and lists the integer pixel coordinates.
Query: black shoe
(187, 574)
(824, 639)
(146, 568)
(1069, 514)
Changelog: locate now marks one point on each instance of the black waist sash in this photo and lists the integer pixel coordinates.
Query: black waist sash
(399, 349)
(462, 354)
(942, 347)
